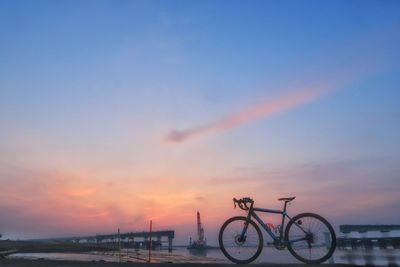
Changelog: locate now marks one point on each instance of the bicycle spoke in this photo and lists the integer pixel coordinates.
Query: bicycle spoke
(314, 246)
(309, 237)
(241, 248)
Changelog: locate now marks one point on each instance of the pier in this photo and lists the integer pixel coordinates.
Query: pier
(128, 239)
(370, 244)
(361, 236)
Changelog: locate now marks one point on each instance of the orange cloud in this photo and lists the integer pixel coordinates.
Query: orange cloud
(261, 111)
(46, 203)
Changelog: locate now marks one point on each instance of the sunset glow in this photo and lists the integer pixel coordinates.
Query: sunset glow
(113, 114)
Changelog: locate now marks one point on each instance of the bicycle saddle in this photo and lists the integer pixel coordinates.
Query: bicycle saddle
(286, 199)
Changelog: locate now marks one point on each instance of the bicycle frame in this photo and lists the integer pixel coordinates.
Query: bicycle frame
(241, 239)
(278, 239)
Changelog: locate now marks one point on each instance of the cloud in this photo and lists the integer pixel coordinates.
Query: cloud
(46, 203)
(262, 110)
(49, 203)
(345, 190)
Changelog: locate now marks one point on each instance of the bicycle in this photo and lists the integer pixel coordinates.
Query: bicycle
(309, 237)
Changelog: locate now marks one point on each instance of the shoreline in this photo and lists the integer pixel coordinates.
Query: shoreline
(65, 263)
(37, 247)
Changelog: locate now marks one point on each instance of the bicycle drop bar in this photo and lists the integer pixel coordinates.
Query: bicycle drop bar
(298, 235)
(242, 203)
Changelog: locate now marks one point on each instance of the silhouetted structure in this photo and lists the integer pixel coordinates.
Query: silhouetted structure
(129, 239)
(200, 243)
(370, 245)
(363, 240)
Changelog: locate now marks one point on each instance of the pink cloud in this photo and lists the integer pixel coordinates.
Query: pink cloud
(263, 110)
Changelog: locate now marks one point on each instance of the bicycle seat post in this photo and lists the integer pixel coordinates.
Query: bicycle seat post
(284, 206)
(286, 200)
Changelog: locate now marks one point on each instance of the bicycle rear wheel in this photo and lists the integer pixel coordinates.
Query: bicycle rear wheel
(310, 238)
(236, 249)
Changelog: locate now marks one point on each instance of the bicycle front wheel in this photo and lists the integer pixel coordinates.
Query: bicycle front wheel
(235, 248)
(310, 238)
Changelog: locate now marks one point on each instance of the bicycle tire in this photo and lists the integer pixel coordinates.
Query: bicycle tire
(330, 247)
(224, 249)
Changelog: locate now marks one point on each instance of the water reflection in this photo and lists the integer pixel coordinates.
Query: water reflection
(198, 252)
(377, 257)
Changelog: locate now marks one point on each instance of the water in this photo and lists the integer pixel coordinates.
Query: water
(182, 255)
(94, 256)
(268, 255)
(178, 255)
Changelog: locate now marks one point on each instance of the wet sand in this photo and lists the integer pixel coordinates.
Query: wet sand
(31, 246)
(59, 263)
(108, 257)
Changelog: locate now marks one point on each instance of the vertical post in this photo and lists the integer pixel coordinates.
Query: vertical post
(150, 241)
(127, 247)
(169, 244)
(328, 241)
(119, 244)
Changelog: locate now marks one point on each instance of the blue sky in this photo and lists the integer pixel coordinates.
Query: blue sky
(91, 89)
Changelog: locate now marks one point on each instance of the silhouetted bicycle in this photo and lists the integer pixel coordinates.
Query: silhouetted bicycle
(309, 237)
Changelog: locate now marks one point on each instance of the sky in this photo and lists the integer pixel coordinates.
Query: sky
(115, 113)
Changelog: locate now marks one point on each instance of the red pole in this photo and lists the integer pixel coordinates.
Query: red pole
(150, 241)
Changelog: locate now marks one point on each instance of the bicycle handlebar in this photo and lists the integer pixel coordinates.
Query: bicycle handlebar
(242, 203)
